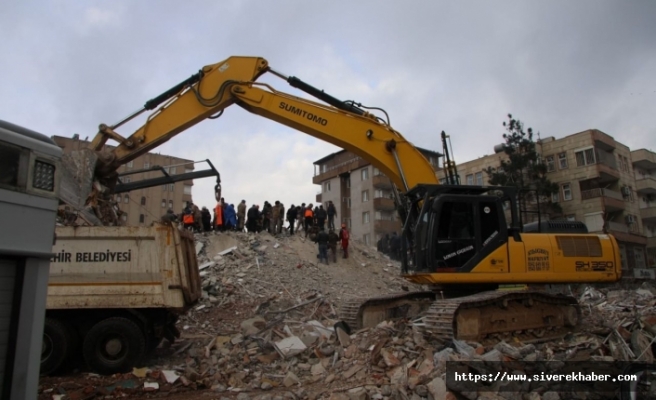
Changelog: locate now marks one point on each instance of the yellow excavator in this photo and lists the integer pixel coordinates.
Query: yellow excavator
(461, 241)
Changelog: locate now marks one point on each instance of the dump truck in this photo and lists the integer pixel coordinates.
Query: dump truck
(115, 292)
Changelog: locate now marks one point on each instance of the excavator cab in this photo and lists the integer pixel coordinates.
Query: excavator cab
(458, 226)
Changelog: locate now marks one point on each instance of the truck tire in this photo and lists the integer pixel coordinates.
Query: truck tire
(56, 346)
(114, 345)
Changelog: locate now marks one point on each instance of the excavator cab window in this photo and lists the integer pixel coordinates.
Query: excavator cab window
(465, 229)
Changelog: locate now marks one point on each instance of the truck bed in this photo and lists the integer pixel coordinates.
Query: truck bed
(123, 267)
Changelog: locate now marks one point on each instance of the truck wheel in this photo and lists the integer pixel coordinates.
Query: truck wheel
(114, 345)
(55, 347)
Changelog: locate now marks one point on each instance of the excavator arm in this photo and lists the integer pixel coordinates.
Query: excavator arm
(232, 81)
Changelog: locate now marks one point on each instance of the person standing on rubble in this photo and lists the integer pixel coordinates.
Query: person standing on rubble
(291, 218)
(300, 216)
(198, 219)
(266, 216)
(332, 212)
(281, 223)
(206, 217)
(322, 240)
(230, 217)
(275, 218)
(218, 217)
(241, 215)
(344, 237)
(309, 219)
(321, 217)
(332, 244)
(253, 216)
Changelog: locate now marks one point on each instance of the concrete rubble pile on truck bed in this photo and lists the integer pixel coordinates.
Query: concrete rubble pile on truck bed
(265, 329)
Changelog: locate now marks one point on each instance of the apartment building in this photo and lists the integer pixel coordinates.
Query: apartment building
(601, 183)
(145, 206)
(361, 194)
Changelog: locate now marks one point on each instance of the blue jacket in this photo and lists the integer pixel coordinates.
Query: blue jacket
(230, 215)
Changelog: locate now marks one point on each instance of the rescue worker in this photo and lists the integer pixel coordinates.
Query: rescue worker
(188, 219)
(322, 240)
(230, 217)
(253, 216)
(198, 219)
(207, 219)
(275, 218)
(241, 215)
(321, 217)
(309, 219)
(332, 212)
(266, 216)
(344, 237)
(218, 217)
(281, 223)
(291, 218)
(169, 216)
(332, 244)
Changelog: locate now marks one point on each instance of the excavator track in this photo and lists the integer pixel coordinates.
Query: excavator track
(492, 315)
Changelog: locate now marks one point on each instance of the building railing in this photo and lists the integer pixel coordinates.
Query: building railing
(335, 166)
(618, 226)
(600, 192)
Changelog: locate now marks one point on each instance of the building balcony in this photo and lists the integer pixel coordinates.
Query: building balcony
(603, 140)
(384, 204)
(611, 200)
(625, 233)
(651, 241)
(336, 170)
(607, 167)
(648, 214)
(383, 226)
(646, 186)
(381, 182)
(644, 159)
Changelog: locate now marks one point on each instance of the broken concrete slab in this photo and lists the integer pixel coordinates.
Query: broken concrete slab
(253, 325)
(206, 265)
(227, 251)
(290, 346)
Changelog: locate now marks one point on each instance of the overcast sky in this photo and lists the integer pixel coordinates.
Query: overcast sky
(459, 66)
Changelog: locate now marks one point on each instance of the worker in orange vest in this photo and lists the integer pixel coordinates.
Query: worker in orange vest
(188, 218)
(218, 216)
(309, 219)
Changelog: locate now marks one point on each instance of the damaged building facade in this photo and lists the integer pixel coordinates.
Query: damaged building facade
(361, 194)
(602, 183)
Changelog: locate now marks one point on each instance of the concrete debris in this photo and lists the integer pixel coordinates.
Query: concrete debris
(267, 328)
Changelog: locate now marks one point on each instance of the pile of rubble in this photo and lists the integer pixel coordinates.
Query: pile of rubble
(267, 328)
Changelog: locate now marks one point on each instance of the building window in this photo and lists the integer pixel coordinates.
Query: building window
(126, 179)
(347, 221)
(365, 196)
(551, 165)
(479, 178)
(171, 204)
(172, 187)
(164, 188)
(562, 160)
(567, 191)
(187, 189)
(365, 174)
(376, 171)
(365, 217)
(143, 200)
(348, 182)
(146, 164)
(124, 217)
(142, 218)
(163, 203)
(585, 157)
(324, 168)
(366, 238)
(326, 186)
(378, 194)
(626, 164)
(130, 164)
(554, 197)
(126, 199)
(470, 179)
(173, 170)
